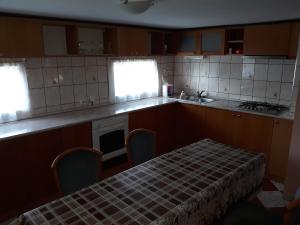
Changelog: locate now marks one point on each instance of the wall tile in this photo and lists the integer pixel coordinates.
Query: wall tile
(288, 73)
(275, 73)
(248, 71)
(214, 58)
(247, 87)
(103, 90)
(37, 98)
(234, 97)
(78, 75)
(80, 93)
(273, 90)
(195, 69)
(102, 73)
(92, 91)
(66, 94)
(297, 76)
(78, 61)
(213, 84)
(246, 98)
(260, 89)
(204, 69)
(52, 96)
(286, 91)
(186, 68)
(225, 59)
(35, 78)
(276, 61)
(236, 59)
(224, 70)
(101, 61)
(33, 63)
(64, 61)
(50, 77)
(194, 83)
(261, 72)
(65, 75)
(91, 74)
(213, 69)
(236, 70)
(224, 85)
(235, 86)
(203, 84)
(90, 61)
(178, 69)
(295, 95)
(49, 62)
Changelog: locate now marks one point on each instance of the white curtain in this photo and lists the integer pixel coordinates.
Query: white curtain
(14, 97)
(134, 79)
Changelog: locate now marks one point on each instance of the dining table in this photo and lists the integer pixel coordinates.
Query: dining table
(192, 185)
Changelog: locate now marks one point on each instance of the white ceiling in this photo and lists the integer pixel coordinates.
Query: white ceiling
(165, 13)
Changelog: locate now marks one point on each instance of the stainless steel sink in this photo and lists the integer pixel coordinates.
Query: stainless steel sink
(204, 100)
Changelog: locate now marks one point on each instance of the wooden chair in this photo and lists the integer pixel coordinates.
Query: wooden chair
(141, 146)
(76, 168)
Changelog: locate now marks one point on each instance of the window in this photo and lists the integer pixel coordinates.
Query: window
(135, 79)
(13, 91)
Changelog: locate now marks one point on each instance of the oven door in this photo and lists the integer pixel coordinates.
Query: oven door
(110, 140)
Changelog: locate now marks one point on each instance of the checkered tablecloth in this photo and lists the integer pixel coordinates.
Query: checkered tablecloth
(191, 185)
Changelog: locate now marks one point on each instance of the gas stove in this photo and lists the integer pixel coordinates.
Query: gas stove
(263, 107)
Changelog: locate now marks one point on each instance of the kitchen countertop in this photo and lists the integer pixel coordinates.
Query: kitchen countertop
(36, 125)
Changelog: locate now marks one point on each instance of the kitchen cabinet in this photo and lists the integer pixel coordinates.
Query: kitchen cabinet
(190, 124)
(20, 37)
(270, 39)
(159, 119)
(90, 41)
(294, 40)
(213, 41)
(163, 43)
(280, 147)
(132, 41)
(26, 166)
(189, 44)
(54, 40)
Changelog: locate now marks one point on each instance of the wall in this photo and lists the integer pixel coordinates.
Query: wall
(293, 178)
(59, 84)
(238, 78)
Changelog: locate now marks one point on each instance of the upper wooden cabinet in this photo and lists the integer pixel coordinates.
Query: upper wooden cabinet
(267, 39)
(294, 40)
(163, 43)
(21, 37)
(55, 40)
(132, 42)
(190, 43)
(213, 41)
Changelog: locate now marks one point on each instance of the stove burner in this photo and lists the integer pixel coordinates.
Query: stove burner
(263, 107)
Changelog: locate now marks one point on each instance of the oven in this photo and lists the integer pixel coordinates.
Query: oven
(109, 136)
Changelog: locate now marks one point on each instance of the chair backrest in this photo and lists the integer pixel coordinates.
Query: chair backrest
(140, 145)
(76, 168)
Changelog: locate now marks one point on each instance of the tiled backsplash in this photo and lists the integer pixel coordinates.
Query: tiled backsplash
(239, 78)
(59, 84)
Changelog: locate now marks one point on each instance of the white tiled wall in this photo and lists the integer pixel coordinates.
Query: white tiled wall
(58, 84)
(238, 78)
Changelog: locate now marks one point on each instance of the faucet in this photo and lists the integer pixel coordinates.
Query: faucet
(199, 94)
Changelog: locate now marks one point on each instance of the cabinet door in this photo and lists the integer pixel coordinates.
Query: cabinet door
(220, 125)
(282, 133)
(55, 40)
(90, 41)
(190, 124)
(133, 42)
(254, 133)
(159, 119)
(189, 43)
(213, 42)
(267, 39)
(20, 37)
(294, 40)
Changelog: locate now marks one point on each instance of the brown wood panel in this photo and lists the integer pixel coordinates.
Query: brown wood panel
(254, 133)
(294, 40)
(190, 124)
(221, 125)
(21, 37)
(280, 147)
(158, 119)
(268, 39)
(77, 135)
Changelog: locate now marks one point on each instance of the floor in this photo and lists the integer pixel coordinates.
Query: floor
(270, 197)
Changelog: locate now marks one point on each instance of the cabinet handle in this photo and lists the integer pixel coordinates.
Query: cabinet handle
(239, 116)
(233, 114)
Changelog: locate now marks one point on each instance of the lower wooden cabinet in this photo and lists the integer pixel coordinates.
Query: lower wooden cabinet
(279, 154)
(25, 167)
(159, 119)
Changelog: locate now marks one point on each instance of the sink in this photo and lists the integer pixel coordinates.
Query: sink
(204, 100)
